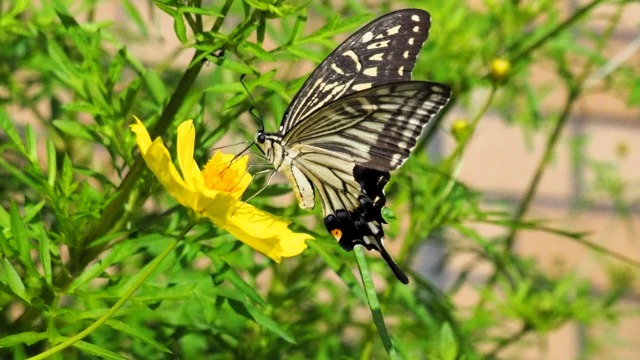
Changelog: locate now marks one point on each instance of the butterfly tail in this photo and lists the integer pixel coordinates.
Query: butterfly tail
(397, 271)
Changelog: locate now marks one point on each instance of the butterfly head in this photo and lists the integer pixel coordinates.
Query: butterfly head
(263, 144)
(269, 144)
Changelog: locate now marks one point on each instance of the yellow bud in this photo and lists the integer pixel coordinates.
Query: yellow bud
(499, 69)
(460, 129)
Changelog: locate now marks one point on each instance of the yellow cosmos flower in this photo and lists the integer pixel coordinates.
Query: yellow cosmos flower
(214, 192)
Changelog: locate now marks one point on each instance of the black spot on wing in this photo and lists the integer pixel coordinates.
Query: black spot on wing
(372, 182)
(355, 230)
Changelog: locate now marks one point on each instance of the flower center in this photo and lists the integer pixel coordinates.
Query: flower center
(221, 176)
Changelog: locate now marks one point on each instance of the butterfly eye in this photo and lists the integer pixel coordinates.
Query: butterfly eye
(260, 137)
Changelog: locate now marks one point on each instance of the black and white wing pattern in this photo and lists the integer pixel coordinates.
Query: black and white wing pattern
(383, 51)
(356, 118)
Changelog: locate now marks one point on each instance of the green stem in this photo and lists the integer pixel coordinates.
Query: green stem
(505, 342)
(449, 166)
(374, 304)
(144, 275)
(555, 31)
(541, 167)
(113, 211)
(574, 89)
(575, 86)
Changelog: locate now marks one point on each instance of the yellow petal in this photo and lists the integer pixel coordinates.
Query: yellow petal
(142, 135)
(265, 232)
(186, 142)
(157, 157)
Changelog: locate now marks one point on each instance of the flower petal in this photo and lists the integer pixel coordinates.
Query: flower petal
(265, 232)
(186, 142)
(157, 157)
(142, 135)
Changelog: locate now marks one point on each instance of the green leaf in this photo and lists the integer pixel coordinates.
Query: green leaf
(116, 66)
(8, 126)
(45, 254)
(258, 51)
(67, 20)
(20, 237)
(31, 142)
(180, 27)
(155, 85)
(136, 332)
(12, 278)
(303, 52)
(97, 350)
(250, 313)
(237, 67)
(335, 26)
(51, 163)
(222, 88)
(372, 300)
(135, 16)
(447, 343)
(26, 338)
(73, 128)
(200, 11)
(66, 183)
(244, 287)
(340, 267)
(116, 255)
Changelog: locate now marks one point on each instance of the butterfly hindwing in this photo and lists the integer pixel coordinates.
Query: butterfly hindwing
(383, 51)
(352, 199)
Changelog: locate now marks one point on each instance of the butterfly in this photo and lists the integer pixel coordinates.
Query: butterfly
(356, 118)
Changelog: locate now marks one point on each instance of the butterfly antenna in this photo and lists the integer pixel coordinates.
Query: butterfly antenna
(230, 145)
(253, 101)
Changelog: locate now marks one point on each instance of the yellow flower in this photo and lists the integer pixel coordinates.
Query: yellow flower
(214, 192)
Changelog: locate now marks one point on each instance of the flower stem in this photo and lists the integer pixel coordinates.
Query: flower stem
(374, 304)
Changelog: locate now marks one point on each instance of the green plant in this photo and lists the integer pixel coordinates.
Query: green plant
(86, 228)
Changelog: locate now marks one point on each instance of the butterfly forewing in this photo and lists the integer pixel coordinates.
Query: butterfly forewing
(383, 51)
(375, 128)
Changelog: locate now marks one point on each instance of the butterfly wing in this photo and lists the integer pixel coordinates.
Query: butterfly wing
(383, 51)
(352, 199)
(346, 150)
(375, 128)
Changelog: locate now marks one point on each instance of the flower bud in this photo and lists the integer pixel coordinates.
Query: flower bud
(499, 69)
(460, 130)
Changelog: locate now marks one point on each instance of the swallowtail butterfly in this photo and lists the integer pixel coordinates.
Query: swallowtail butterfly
(356, 118)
